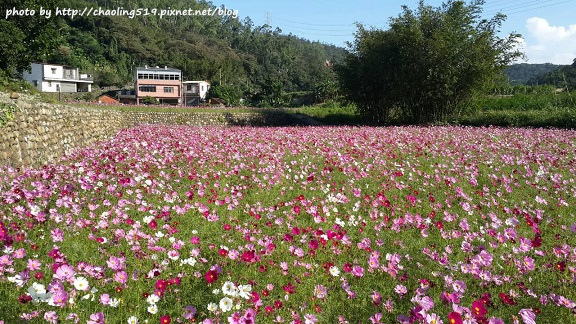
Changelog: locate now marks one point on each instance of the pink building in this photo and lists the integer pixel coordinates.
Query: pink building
(164, 84)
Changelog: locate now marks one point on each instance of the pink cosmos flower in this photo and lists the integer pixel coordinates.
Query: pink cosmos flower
(33, 265)
(51, 317)
(104, 299)
(320, 291)
(64, 272)
(115, 263)
(19, 254)
(121, 277)
(189, 312)
(60, 298)
(358, 271)
(528, 316)
(310, 319)
(400, 290)
(96, 318)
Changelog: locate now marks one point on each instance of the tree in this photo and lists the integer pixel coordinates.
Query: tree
(26, 38)
(228, 93)
(427, 63)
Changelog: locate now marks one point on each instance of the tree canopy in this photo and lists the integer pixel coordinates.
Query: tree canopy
(427, 63)
(25, 38)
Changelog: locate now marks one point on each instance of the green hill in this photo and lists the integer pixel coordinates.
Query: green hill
(523, 72)
(260, 62)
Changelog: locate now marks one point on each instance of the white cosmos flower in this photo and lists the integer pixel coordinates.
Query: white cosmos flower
(245, 291)
(334, 271)
(133, 320)
(229, 289)
(114, 302)
(212, 307)
(81, 283)
(153, 299)
(152, 309)
(225, 304)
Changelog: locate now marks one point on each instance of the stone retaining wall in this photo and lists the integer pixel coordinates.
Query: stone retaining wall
(38, 133)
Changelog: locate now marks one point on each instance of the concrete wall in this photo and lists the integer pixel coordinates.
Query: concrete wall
(40, 133)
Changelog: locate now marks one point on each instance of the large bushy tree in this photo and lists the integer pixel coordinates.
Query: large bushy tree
(427, 63)
(26, 39)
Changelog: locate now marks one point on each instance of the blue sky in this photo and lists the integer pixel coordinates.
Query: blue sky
(548, 27)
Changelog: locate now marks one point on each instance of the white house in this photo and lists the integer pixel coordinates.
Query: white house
(194, 92)
(58, 78)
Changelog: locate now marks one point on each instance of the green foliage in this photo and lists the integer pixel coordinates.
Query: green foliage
(26, 39)
(149, 100)
(326, 91)
(427, 64)
(6, 113)
(331, 113)
(565, 118)
(229, 93)
(522, 102)
(8, 84)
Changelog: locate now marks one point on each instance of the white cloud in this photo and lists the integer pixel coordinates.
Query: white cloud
(549, 44)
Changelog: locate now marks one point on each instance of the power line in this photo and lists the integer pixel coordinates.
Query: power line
(527, 6)
(500, 3)
(309, 24)
(550, 5)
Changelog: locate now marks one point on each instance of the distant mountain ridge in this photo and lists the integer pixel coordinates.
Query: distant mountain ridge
(524, 72)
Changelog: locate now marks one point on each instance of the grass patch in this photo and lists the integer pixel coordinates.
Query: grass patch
(331, 113)
(565, 118)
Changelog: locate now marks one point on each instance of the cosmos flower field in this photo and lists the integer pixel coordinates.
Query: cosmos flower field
(176, 224)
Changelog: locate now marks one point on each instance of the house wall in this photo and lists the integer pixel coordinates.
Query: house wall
(160, 84)
(201, 86)
(35, 74)
(49, 86)
(57, 73)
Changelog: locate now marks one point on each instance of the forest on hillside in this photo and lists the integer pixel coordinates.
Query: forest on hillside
(238, 57)
(523, 72)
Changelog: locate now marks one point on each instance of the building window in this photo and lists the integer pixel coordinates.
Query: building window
(53, 70)
(169, 89)
(202, 87)
(147, 88)
(50, 84)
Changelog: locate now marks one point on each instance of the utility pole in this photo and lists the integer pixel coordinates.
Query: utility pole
(268, 26)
